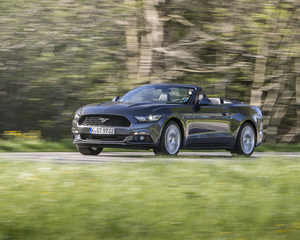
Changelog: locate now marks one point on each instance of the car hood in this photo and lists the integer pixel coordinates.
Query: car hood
(120, 108)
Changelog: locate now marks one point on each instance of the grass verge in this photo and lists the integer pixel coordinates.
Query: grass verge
(235, 199)
(36, 146)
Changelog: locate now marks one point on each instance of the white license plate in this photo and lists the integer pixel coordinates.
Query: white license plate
(102, 130)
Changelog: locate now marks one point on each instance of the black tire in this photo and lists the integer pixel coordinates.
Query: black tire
(170, 141)
(89, 150)
(245, 142)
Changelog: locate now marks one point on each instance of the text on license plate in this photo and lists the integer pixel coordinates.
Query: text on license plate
(102, 130)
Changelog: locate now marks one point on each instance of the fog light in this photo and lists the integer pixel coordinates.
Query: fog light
(142, 137)
(76, 136)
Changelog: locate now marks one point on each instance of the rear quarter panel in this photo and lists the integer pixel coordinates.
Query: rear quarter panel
(241, 113)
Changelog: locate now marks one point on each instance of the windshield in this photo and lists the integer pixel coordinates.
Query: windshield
(156, 93)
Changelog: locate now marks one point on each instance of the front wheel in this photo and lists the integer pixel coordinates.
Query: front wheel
(245, 142)
(89, 150)
(170, 141)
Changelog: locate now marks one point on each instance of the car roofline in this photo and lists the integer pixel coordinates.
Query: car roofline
(172, 84)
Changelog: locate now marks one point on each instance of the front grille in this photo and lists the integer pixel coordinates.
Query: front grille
(103, 138)
(104, 120)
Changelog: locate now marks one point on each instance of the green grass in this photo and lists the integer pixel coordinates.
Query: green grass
(221, 199)
(278, 148)
(68, 146)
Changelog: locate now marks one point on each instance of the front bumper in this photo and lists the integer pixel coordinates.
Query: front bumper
(125, 137)
(259, 138)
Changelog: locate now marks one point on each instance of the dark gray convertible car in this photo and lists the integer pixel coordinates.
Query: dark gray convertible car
(167, 118)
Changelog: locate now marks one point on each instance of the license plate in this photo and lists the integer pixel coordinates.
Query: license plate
(102, 130)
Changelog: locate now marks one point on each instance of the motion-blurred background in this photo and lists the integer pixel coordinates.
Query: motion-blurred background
(57, 55)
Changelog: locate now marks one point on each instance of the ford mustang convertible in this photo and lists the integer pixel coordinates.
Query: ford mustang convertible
(167, 118)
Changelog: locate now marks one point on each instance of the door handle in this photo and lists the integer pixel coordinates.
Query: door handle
(225, 113)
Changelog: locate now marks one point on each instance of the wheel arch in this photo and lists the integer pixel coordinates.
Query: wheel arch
(254, 127)
(180, 125)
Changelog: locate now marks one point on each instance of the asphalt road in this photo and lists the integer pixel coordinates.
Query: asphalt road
(74, 157)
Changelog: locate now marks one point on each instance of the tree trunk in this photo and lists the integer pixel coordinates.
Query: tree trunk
(140, 54)
(295, 130)
(261, 61)
(153, 39)
(132, 41)
(276, 106)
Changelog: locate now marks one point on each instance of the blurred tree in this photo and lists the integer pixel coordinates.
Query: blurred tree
(56, 56)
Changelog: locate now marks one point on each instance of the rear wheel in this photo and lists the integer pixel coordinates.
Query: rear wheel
(170, 141)
(245, 142)
(89, 150)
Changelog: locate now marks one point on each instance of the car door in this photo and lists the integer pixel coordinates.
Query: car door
(211, 125)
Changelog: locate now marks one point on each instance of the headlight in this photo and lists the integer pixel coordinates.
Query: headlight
(77, 114)
(150, 118)
(76, 117)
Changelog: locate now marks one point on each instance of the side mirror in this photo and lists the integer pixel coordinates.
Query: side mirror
(115, 99)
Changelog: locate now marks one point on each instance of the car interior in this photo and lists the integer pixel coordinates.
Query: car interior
(164, 97)
(213, 101)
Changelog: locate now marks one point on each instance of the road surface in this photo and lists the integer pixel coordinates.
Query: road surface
(75, 157)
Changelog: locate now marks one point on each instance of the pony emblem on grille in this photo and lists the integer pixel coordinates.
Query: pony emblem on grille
(103, 120)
